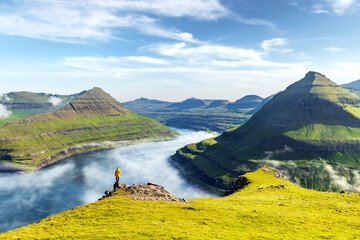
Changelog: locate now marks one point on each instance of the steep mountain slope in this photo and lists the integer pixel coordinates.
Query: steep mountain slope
(198, 114)
(24, 104)
(312, 122)
(269, 207)
(93, 121)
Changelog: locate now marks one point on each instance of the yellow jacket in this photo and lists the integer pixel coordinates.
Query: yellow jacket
(117, 172)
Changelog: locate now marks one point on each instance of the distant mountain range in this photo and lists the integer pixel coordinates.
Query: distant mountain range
(199, 114)
(93, 120)
(311, 131)
(353, 85)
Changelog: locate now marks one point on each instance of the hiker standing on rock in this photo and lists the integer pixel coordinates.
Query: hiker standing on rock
(117, 174)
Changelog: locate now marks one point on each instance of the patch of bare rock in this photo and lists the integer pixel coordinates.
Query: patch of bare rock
(146, 192)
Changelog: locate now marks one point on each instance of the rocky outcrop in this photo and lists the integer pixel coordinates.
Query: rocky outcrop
(241, 181)
(146, 192)
(237, 184)
(276, 172)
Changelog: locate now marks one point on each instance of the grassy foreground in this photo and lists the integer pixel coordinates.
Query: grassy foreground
(258, 211)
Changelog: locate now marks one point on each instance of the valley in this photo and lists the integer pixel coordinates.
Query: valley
(306, 131)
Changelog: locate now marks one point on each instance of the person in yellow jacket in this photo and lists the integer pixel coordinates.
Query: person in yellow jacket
(117, 174)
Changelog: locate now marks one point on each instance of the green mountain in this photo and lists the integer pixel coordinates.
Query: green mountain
(187, 104)
(93, 121)
(353, 85)
(249, 101)
(24, 104)
(312, 124)
(198, 114)
(268, 207)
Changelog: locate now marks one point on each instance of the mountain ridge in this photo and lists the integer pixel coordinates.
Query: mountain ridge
(199, 114)
(313, 122)
(93, 121)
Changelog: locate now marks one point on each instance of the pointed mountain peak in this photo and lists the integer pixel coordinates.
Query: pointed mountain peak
(94, 102)
(312, 79)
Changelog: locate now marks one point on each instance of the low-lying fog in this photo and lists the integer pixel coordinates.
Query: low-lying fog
(27, 198)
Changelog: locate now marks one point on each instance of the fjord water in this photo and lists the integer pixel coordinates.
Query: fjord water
(78, 180)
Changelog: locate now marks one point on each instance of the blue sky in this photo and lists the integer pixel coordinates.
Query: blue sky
(173, 50)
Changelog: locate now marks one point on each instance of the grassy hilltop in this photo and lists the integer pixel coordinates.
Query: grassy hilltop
(94, 120)
(267, 208)
(311, 131)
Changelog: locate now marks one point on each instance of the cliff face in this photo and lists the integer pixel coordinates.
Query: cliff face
(93, 121)
(312, 119)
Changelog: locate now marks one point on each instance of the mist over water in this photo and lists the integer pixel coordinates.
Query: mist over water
(78, 180)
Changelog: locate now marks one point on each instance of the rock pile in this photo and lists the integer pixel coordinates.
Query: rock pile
(278, 174)
(272, 186)
(145, 192)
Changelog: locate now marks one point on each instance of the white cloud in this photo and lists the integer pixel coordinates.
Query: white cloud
(270, 44)
(4, 98)
(54, 100)
(337, 7)
(144, 59)
(302, 56)
(101, 63)
(199, 9)
(275, 44)
(77, 21)
(341, 181)
(343, 72)
(347, 64)
(205, 52)
(340, 6)
(254, 21)
(4, 112)
(333, 49)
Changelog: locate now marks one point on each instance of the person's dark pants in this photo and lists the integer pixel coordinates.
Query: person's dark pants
(117, 178)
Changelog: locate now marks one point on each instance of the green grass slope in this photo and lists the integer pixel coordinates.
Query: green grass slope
(25, 104)
(312, 123)
(258, 211)
(93, 121)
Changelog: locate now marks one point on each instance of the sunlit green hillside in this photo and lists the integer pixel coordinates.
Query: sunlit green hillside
(93, 121)
(267, 208)
(309, 130)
